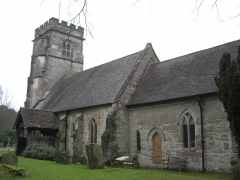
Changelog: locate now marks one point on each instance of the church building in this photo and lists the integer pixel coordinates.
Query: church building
(164, 113)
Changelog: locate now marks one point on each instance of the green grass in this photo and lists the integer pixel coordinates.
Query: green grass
(47, 170)
(3, 150)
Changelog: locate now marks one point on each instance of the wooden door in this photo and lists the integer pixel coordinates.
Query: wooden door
(156, 148)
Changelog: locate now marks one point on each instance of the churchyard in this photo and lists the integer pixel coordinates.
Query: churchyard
(44, 170)
(3, 150)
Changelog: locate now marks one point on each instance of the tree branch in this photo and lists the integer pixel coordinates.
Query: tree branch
(215, 4)
(83, 9)
(198, 6)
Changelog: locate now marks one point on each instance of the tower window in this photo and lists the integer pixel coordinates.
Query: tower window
(188, 131)
(67, 49)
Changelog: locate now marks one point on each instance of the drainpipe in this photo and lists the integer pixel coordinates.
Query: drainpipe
(66, 131)
(202, 134)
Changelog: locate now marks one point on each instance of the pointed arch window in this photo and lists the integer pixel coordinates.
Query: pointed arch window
(192, 132)
(93, 132)
(185, 133)
(138, 141)
(67, 49)
(188, 130)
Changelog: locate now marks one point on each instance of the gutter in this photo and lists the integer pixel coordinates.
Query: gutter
(202, 134)
(135, 105)
(66, 131)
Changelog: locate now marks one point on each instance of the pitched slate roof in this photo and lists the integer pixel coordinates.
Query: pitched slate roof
(37, 118)
(184, 76)
(96, 86)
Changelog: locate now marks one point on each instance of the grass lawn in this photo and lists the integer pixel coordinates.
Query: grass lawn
(47, 170)
(3, 150)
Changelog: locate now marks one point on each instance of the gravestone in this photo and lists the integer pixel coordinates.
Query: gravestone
(95, 156)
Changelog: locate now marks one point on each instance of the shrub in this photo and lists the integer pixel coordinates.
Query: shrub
(7, 138)
(8, 170)
(109, 145)
(83, 160)
(236, 171)
(61, 157)
(40, 151)
(9, 158)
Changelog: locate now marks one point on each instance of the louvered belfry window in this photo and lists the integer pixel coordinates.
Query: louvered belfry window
(67, 49)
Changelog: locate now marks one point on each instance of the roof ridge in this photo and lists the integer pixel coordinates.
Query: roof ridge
(95, 67)
(83, 89)
(139, 58)
(123, 57)
(199, 51)
(189, 75)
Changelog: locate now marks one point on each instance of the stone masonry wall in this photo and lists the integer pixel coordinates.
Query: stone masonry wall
(145, 61)
(219, 141)
(165, 119)
(78, 129)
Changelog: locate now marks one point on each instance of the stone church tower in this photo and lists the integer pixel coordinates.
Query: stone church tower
(57, 51)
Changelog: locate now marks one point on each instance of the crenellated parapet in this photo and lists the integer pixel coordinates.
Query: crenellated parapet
(57, 51)
(61, 26)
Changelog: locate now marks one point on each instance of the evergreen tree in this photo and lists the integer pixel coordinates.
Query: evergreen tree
(228, 83)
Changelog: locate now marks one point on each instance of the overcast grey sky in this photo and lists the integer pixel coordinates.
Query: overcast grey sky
(120, 27)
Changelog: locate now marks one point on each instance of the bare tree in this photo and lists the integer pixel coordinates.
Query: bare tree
(220, 7)
(82, 14)
(80, 17)
(4, 98)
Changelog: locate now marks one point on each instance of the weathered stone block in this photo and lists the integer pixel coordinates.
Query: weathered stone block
(176, 163)
(95, 156)
(62, 158)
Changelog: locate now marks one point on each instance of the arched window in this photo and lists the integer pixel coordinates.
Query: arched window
(67, 49)
(93, 131)
(188, 130)
(185, 132)
(138, 141)
(192, 132)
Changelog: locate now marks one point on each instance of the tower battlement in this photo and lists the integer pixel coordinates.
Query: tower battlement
(61, 26)
(57, 51)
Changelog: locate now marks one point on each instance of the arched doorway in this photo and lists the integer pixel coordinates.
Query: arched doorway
(156, 148)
